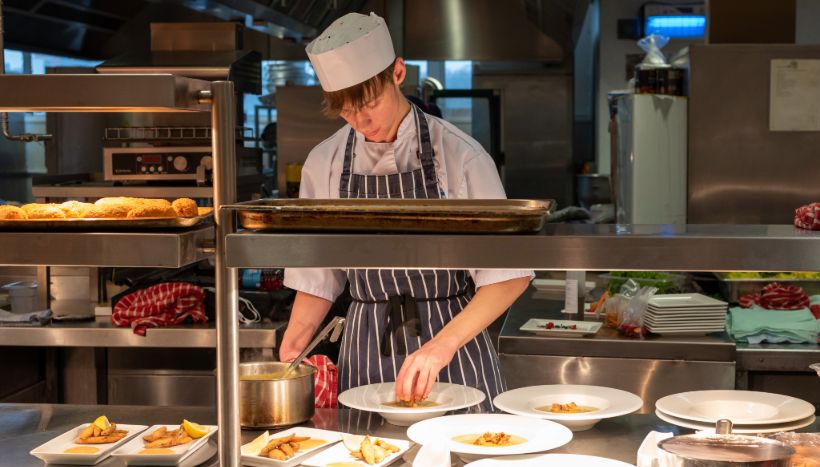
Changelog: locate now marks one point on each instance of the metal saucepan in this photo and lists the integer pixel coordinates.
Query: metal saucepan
(724, 449)
(271, 402)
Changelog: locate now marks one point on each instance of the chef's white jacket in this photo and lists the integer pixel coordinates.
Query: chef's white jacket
(463, 167)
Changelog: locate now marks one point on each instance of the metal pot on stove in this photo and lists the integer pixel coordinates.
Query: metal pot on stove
(724, 449)
(267, 400)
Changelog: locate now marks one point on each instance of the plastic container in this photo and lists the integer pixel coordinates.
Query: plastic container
(22, 296)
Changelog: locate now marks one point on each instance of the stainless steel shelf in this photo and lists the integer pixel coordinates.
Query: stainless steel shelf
(101, 93)
(101, 333)
(159, 249)
(777, 357)
(100, 190)
(559, 247)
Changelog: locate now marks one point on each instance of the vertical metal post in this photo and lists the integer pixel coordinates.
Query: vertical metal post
(223, 123)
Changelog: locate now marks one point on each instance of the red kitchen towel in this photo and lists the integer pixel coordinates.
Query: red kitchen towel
(777, 297)
(160, 305)
(325, 383)
(808, 217)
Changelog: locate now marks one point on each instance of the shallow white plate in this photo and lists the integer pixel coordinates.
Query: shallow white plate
(687, 311)
(556, 460)
(610, 402)
(371, 398)
(331, 437)
(693, 300)
(739, 429)
(540, 435)
(583, 328)
(129, 453)
(338, 453)
(671, 328)
(53, 452)
(741, 407)
(686, 319)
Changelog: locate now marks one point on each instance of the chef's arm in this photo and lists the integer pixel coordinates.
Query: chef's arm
(305, 318)
(419, 370)
(489, 302)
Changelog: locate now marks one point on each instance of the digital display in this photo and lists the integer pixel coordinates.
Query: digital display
(155, 159)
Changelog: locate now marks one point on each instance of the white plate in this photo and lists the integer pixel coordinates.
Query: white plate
(371, 398)
(540, 435)
(53, 452)
(687, 311)
(685, 300)
(546, 460)
(738, 429)
(538, 326)
(339, 453)
(741, 407)
(686, 318)
(691, 327)
(611, 402)
(557, 285)
(331, 437)
(129, 453)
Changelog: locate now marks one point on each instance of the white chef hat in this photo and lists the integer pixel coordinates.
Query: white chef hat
(353, 49)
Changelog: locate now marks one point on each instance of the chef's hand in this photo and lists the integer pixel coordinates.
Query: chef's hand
(420, 369)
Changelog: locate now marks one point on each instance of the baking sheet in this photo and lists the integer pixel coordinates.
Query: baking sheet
(205, 215)
(395, 215)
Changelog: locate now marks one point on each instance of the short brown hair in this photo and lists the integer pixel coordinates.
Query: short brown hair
(357, 95)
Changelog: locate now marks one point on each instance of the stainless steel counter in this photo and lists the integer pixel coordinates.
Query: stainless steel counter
(26, 426)
(558, 247)
(101, 333)
(159, 249)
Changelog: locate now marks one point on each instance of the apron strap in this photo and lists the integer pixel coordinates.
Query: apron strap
(426, 154)
(409, 327)
(347, 166)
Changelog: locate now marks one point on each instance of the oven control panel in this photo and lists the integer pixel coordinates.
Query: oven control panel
(171, 163)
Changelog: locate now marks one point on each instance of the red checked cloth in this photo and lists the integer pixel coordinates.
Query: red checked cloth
(808, 217)
(325, 382)
(777, 297)
(160, 305)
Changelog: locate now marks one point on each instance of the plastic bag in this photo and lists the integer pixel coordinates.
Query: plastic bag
(630, 322)
(615, 304)
(652, 45)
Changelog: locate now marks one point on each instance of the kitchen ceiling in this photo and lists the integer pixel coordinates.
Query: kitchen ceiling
(101, 29)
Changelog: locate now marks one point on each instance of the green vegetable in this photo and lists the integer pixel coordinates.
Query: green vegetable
(664, 281)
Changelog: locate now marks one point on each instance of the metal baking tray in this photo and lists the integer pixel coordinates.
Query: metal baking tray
(395, 215)
(152, 223)
(733, 289)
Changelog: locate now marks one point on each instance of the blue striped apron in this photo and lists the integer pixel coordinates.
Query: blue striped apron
(395, 311)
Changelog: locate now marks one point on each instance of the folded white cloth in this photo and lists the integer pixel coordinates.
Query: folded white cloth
(650, 455)
(433, 454)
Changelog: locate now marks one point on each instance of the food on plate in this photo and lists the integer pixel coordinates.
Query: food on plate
(411, 404)
(44, 211)
(185, 207)
(82, 450)
(8, 212)
(371, 451)
(285, 447)
(162, 437)
(551, 325)
(101, 431)
(490, 439)
(570, 407)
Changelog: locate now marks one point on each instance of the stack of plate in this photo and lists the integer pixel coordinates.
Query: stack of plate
(679, 314)
(750, 411)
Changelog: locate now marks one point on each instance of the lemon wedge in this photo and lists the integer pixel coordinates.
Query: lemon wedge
(352, 442)
(194, 430)
(253, 448)
(102, 422)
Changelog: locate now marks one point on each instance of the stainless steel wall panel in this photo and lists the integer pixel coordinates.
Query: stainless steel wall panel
(739, 171)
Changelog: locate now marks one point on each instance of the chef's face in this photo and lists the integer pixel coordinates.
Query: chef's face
(378, 120)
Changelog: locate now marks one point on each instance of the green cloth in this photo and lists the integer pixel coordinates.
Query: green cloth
(797, 325)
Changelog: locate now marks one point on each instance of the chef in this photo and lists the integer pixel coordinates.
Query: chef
(405, 325)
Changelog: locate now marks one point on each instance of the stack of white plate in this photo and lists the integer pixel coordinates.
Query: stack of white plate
(749, 411)
(685, 314)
